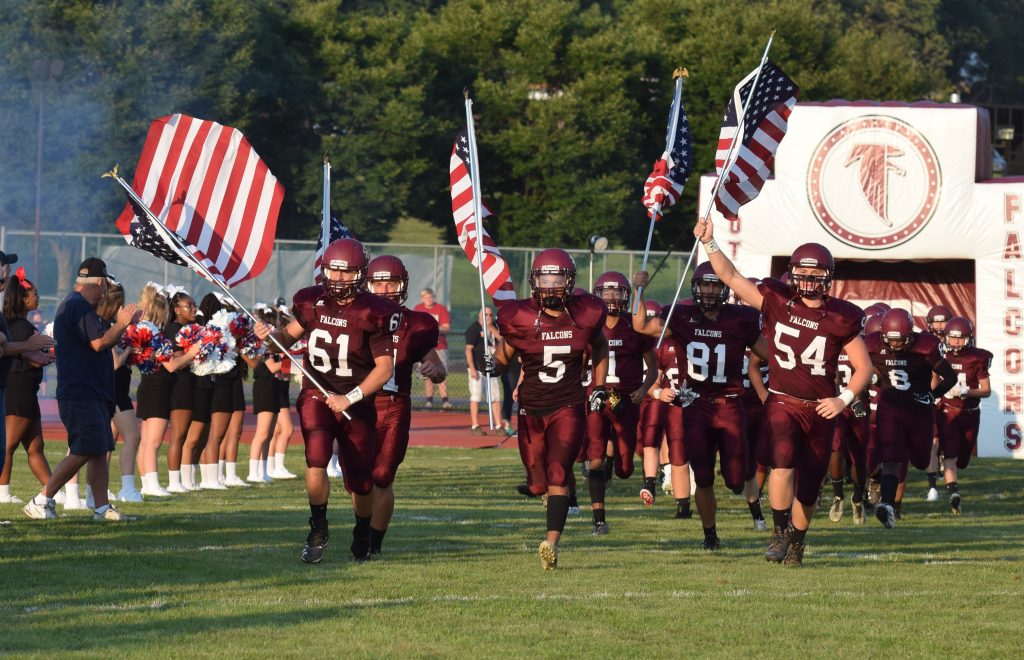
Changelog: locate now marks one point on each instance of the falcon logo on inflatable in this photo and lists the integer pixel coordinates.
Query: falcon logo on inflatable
(874, 182)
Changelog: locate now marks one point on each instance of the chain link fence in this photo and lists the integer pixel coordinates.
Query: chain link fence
(443, 268)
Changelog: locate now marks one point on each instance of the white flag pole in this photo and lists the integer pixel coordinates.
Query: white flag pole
(670, 143)
(175, 242)
(730, 159)
(474, 175)
(325, 210)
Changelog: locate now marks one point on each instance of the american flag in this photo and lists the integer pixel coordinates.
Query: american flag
(764, 126)
(497, 278)
(664, 185)
(337, 230)
(206, 184)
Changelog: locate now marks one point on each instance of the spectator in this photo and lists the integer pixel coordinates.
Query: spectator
(85, 389)
(440, 313)
(475, 365)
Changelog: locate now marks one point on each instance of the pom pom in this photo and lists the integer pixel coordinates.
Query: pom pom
(149, 347)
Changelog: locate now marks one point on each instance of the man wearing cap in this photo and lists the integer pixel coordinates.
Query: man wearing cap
(85, 389)
(13, 350)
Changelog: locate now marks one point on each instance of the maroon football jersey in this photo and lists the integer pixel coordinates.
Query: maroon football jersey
(904, 374)
(416, 336)
(845, 371)
(804, 342)
(672, 363)
(343, 340)
(715, 348)
(626, 348)
(971, 365)
(552, 349)
(747, 386)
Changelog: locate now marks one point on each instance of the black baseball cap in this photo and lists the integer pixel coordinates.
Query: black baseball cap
(8, 259)
(93, 267)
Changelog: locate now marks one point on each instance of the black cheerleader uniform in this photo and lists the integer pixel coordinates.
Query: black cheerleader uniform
(24, 379)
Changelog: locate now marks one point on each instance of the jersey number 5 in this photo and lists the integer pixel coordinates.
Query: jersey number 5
(551, 363)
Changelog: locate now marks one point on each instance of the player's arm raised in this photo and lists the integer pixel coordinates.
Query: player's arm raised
(650, 326)
(746, 290)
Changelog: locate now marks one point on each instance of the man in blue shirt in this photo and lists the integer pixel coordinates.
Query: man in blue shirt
(12, 350)
(85, 389)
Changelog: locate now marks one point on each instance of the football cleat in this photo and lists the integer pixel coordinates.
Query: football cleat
(548, 556)
(313, 551)
(683, 515)
(933, 495)
(647, 496)
(524, 490)
(112, 515)
(39, 511)
(858, 513)
(585, 469)
(712, 543)
(760, 526)
(835, 514)
(794, 555)
(778, 546)
(954, 503)
(574, 511)
(874, 492)
(360, 548)
(600, 528)
(886, 515)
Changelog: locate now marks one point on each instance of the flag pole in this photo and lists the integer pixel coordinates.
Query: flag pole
(474, 175)
(325, 212)
(729, 160)
(175, 241)
(670, 143)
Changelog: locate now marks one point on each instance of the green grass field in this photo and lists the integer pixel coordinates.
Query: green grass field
(204, 575)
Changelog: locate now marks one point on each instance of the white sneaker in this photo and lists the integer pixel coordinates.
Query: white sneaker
(160, 491)
(933, 495)
(90, 503)
(214, 485)
(176, 488)
(11, 499)
(112, 514)
(40, 512)
(334, 473)
(72, 506)
(254, 478)
(283, 473)
(59, 497)
(267, 479)
(235, 482)
(129, 496)
(760, 526)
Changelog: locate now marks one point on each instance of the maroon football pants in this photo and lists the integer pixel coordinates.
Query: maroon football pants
(357, 438)
(620, 427)
(958, 432)
(904, 432)
(663, 419)
(549, 444)
(799, 438)
(717, 426)
(394, 416)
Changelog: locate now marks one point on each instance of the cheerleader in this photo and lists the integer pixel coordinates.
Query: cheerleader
(154, 395)
(265, 407)
(124, 423)
(183, 398)
(284, 427)
(198, 436)
(24, 426)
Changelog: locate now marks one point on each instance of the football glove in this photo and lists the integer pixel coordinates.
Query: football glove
(924, 398)
(859, 409)
(598, 398)
(489, 366)
(684, 397)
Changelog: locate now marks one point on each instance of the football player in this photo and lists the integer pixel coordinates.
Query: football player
(551, 332)
(806, 330)
(350, 349)
(630, 354)
(716, 335)
(665, 419)
(959, 412)
(905, 361)
(936, 320)
(850, 443)
(413, 342)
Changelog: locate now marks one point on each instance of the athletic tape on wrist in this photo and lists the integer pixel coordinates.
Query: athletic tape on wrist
(710, 247)
(847, 397)
(355, 396)
(656, 393)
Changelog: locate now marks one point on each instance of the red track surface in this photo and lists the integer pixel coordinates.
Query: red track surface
(429, 429)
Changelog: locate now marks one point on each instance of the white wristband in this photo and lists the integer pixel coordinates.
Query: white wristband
(710, 247)
(847, 397)
(656, 393)
(355, 396)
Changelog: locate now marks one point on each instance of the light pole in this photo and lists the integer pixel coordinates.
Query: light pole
(43, 72)
(597, 244)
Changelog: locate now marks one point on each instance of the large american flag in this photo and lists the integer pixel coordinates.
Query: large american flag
(335, 231)
(757, 139)
(206, 184)
(497, 278)
(664, 185)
